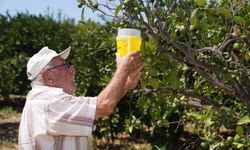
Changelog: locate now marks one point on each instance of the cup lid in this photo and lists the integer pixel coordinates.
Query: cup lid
(129, 31)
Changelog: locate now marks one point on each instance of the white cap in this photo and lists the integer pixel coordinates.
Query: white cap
(129, 31)
(39, 60)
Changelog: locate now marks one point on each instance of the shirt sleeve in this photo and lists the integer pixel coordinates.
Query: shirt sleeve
(70, 115)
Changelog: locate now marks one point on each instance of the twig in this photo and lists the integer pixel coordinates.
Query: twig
(227, 42)
(203, 98)
(215, 81)
(205, 49)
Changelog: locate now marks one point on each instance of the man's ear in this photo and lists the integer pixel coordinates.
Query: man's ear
(48, 78)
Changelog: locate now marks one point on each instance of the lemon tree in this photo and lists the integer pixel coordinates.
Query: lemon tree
(197, 58)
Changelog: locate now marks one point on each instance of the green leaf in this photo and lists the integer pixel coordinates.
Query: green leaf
(185, 67)
(103, 129)
(228, 76)
(240, 130)
(244, 120)
(118, 9)
(247, 55)
(238, 145)
(127, 121)
(208, 122)
(225, 12)
(153, 72)
(151, 44)
(173, 78)
(130, 129)
(154, 83)
(194, 18)
(200, 2)
(239, 20)
(213, 11)
(82, 15)
(194, 115)
(213, 146)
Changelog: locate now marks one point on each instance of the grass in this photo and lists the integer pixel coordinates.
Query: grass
(7, 112)
(8, 145)
(122, 141)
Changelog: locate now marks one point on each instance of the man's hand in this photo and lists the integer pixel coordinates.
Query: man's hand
(135, 74)
(131, 62)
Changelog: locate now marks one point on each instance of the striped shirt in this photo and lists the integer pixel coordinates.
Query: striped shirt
(54, 120)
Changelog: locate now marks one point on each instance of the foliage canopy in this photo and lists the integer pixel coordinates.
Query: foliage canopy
(197, 56)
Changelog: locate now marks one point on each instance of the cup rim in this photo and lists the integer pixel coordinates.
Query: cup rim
(129, 31)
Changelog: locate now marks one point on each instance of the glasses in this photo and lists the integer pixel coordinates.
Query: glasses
(64, 64)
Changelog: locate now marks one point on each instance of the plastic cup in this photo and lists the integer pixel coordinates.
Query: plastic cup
(128, 41)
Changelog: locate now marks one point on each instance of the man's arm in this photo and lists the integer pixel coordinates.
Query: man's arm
(110, 96)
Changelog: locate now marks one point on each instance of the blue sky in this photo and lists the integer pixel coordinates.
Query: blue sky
(68, 8)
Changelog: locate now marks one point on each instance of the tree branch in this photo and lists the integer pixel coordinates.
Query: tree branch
(205, 49)
(203, 98)
(215, 81)
(227, 42)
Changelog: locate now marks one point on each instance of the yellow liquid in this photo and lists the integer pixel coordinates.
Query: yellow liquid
(128, 44)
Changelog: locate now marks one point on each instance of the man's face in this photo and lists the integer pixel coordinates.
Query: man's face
(64, 75)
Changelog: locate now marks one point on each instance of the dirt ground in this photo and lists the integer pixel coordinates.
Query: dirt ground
(9, 132)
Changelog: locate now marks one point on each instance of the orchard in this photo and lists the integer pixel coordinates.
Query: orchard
(195, 88)
(197, 73)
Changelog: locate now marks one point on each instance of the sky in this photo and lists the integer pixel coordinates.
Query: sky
(68, 8)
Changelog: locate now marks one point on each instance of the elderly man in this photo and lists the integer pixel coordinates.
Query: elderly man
(53, 118)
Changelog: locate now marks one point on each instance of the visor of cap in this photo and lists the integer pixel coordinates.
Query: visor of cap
(65, 54)
(38, 62)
